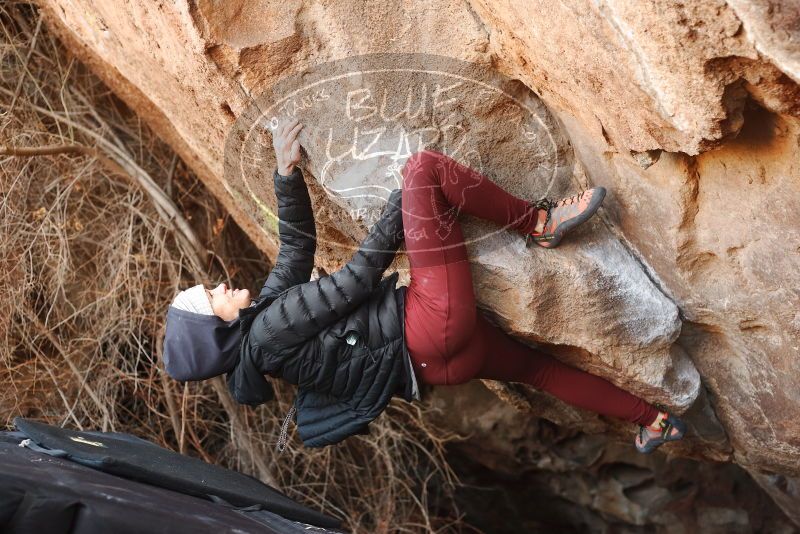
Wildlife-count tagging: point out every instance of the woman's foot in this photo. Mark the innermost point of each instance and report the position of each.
(557, 217)
(665, 428)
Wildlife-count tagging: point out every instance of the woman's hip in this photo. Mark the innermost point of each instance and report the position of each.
(442, 340)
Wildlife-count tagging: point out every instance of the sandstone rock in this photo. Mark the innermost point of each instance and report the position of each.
(653, 75)
(774, 30)
(692, 265)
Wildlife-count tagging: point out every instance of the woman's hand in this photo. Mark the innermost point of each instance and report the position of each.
(287, 146)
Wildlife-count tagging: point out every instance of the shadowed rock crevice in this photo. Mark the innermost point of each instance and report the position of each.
(540, 477)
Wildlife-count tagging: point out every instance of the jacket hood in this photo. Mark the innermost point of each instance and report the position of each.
(198, 347)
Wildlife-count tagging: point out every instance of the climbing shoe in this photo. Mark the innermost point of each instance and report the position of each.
(670, 428)
(564, 215)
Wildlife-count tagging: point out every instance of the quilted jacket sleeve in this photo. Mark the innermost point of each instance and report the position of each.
(302, 311)
(297, 234)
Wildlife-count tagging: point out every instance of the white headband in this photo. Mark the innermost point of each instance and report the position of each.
(194, 300)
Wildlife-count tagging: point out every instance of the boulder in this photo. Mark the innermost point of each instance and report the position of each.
(687, 112)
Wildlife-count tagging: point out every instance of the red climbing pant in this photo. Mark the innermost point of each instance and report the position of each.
(449, 340)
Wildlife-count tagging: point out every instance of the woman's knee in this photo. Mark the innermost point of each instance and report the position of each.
(419, 169)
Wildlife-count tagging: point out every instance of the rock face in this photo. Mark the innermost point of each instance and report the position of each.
(686, 111)
(570, 481)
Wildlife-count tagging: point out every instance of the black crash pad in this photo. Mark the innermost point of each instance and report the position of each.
(139, 460)
(42, 494)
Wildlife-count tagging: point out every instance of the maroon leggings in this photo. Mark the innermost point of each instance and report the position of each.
(449, 340)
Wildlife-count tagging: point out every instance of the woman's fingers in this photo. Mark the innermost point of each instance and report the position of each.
(293, 144)
(291, 137)
(286, 126)
(293, 134)
(286, 144)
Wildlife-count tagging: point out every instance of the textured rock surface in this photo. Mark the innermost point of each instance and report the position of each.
(657, 75)
(528, 475)
(686, 112)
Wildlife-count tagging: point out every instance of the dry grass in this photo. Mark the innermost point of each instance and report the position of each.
(100, 224)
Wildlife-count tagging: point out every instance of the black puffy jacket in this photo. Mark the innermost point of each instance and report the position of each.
(339, 338)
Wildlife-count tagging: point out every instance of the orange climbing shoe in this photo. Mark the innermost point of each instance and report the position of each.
(670, 428)
(564, 215)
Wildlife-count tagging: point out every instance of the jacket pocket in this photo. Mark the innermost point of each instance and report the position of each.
(350, 371)
(354, 329)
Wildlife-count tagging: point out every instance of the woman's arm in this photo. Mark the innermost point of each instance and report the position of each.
(302, 311)
(297, 234)
(295, 216)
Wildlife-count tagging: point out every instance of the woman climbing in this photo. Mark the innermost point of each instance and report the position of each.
(351, 341)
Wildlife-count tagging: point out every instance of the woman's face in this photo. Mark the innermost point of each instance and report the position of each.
(226, 303)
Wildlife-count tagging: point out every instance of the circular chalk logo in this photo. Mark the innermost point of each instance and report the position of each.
(366, 117)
